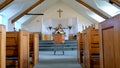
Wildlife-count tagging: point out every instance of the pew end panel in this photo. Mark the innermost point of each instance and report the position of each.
(23, 49)
(110, 43)
(2, 46)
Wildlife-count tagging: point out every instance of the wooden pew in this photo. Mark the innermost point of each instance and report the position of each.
(110, 43)
(91, 48)
(2, 47)
(80, 47)
(17, 49)
(34, 46)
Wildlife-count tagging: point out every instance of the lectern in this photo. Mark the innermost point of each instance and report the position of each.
(58, 38)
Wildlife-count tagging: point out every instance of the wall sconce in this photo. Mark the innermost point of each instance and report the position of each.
(70, 27)
(50, 27)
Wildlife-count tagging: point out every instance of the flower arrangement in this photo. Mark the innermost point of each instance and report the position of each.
(58, 31)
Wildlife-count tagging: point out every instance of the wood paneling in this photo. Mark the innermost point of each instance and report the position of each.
(71, 37)
(46, 37)
(2, 47)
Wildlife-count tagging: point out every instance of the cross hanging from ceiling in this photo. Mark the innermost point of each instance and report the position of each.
(59, 11)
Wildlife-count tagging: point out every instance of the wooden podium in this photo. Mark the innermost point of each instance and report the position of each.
(58, 38)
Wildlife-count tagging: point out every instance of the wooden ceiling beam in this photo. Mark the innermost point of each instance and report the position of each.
(34, 14)
(92, 9)
(115, 2)
(26, 11)
(5, 3)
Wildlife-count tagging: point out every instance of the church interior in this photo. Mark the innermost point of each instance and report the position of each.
(59, 33)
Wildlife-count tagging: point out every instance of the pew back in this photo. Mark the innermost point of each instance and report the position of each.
(2, 46)
(17, 45)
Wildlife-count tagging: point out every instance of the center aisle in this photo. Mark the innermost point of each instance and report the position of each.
(47, 59)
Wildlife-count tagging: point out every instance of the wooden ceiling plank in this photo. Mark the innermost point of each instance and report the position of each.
(26, 11)
(116, 2)
(92, 9)
(5, 3)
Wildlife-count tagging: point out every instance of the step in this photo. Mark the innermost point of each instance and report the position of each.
(49, 45)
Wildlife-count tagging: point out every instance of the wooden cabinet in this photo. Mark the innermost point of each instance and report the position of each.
(59, 38)
(110, 43)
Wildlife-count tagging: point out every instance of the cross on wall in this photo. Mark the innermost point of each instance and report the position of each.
(59, 11)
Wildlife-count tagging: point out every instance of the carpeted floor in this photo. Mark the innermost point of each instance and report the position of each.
(47, 59)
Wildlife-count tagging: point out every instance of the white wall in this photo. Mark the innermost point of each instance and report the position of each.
(68, 12)
(33, 26)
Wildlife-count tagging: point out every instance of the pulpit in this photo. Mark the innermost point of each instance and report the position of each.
(58, 38)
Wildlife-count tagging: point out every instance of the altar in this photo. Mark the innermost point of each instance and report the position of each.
(69, 26)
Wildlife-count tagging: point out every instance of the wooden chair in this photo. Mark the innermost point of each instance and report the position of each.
(110, 43)
(17, 49)
(2, 47)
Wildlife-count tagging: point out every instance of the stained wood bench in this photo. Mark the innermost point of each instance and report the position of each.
(17, 49)
(2, 46)
(34, 47)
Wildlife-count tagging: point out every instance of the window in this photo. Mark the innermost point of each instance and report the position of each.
(0, 19)
(17, 26)
(107, 7)
(95, 16)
